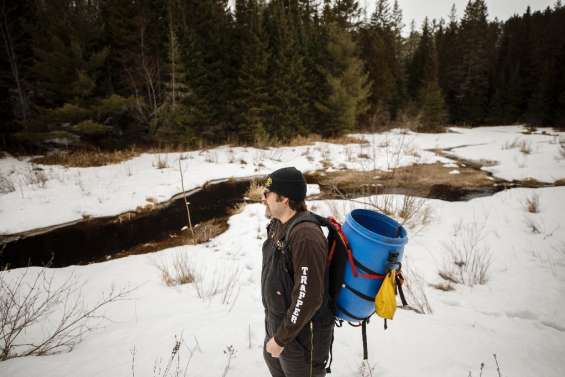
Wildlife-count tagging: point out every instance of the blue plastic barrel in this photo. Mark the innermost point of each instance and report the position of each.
(377, 243)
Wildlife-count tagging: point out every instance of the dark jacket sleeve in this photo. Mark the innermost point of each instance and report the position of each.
(308, 247)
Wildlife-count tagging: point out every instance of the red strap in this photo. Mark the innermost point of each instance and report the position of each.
(337, 226)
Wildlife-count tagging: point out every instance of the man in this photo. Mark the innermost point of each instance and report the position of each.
(298, 320)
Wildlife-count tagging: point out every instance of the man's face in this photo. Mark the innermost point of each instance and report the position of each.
(275, 205)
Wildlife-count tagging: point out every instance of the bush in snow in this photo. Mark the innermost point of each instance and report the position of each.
(40, 317)
(161, 162)
(255, 192)
(177, 271)
(414, 290)
(562, 150)
(6, 186)
(175, 366)
(468, 258)
(532, 203)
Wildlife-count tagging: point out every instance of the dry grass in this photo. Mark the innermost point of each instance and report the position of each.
(205, 231)
(532, 203)
(418, 179)
(414, 289)
(176, 271)
(523, 145)
(161, 162)
(533, 225)
(255, 191)
(6, 186)
(86, 158)
(445, 286)
(238, 208)
(36, 177)
(468, 257)
(411, 206)
(302, 140)
(526, 147)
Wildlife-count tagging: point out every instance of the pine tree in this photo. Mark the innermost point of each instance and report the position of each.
(209, 49)
(68, 58)
(252, 98)
(15, 42)
(450, 68)
(349, 84)
(346, 13)
(423, 83)
(473, 95)
(286, 75)
(172, 122)
(381, 48)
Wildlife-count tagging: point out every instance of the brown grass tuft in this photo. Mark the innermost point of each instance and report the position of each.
(176, 271)
(161, 162)
(532, 203)
(255, 192)
(86, 158)
(205, 231)
(238, 208)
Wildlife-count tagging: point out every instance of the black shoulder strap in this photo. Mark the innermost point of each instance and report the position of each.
(306, 217)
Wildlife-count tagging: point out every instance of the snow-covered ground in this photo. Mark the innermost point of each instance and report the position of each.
(516, 315)
(56, 195)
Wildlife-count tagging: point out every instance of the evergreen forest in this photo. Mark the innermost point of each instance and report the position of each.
(117, 73)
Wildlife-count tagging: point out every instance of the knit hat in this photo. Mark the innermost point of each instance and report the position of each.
(287, 182)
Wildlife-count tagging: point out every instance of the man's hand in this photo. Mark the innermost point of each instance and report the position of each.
(273, 348)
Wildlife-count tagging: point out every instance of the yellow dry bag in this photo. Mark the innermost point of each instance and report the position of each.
(385, 300)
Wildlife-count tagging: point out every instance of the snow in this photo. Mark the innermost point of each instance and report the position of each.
(69, 194)
(516, 315)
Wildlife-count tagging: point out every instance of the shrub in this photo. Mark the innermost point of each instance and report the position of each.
(532, 203)
(161, 162)
(176, 271)
(84, 158)
(415, 291)
(90, 128)
(468, 258)
(29, 299)
(68, 113)
(114, 104)
(255, 192)
(6, 186)
(525, 147)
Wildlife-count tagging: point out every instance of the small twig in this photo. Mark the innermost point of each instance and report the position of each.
(230, 354)
(185, 201)
(132, 351)
(497, 366)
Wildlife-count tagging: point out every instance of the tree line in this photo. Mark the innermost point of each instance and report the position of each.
(113, 73)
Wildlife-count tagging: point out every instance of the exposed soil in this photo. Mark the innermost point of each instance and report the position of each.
(157, 226)
(429, 181)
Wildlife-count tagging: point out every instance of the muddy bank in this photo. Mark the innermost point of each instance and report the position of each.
(95, 239)
(156, 227)
(434, 181)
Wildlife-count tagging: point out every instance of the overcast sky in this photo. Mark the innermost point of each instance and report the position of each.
(418, 9)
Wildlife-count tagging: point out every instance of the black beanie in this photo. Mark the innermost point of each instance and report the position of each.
(287, 182)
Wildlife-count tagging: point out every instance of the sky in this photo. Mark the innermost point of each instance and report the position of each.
(418, 9)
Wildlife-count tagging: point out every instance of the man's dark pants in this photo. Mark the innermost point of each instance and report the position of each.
(297, 359)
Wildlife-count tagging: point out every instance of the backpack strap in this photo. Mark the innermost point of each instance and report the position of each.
(306, 217)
